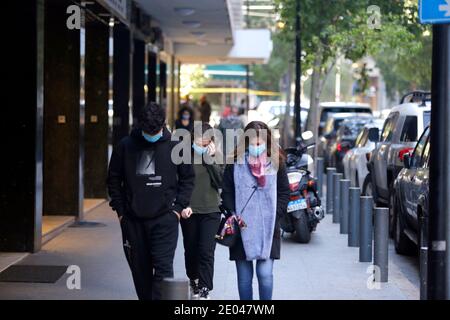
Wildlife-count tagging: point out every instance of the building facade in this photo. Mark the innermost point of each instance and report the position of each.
(77, 74)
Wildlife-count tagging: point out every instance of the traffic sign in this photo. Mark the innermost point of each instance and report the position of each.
(434, 11)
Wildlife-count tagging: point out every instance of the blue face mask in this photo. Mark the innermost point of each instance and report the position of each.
(256, 151)
(199, 150)
(151, 138)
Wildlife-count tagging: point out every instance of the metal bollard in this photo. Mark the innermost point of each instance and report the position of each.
(353, 218)
(423, 258)
(365, 229)
(175, 289)
(330, 189)
(345, 206)
(319, 175)
(337, 197)
(381, 243)
(423, 273)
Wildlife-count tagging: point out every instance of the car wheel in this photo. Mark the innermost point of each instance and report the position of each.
(368, 187)
(403, 245)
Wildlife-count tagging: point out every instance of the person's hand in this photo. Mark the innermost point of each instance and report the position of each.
(186, 213)
(211, 148)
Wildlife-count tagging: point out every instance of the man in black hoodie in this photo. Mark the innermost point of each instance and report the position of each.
(148, 192)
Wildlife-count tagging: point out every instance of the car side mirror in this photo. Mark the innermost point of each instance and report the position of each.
(374, 135)
(407, 160)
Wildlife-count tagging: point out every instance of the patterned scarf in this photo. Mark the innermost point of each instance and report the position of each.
(258, 168)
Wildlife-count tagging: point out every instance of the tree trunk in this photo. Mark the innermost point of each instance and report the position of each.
(312, 120)
(286, 130)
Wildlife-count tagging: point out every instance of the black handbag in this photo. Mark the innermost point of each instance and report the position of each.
(230, 239)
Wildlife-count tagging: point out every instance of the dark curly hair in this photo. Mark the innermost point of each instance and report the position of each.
(151, 118)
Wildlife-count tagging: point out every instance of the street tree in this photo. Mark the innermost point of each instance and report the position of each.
(347, 28)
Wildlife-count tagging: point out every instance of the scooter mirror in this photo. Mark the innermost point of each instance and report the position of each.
(307, 135)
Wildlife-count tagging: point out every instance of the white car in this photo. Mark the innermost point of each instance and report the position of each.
(271, 112)
(355, 161)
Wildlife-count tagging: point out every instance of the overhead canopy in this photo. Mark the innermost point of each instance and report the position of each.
(250, 46)
(208, 31)
(192, 21)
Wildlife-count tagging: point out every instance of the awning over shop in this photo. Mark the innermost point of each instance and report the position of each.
(208, 31)
(226, 72)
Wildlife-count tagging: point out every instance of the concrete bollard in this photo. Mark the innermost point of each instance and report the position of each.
(345, 206)
(365, 229)
(319, 175)
(330, 189)
(337, 197)
(175, 289)
(353, 219)
(381, 244)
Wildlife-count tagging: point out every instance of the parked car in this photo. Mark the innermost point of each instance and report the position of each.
(399, 136)
(411, 199)
(355, 161)
(327, 140)
(327, 109)
(345, 140)
(272, 112)
(329, 133)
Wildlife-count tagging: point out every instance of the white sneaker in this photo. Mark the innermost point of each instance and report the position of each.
(194, 289)
(204, 294)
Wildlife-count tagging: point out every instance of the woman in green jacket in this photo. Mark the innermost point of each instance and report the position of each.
(201, 220)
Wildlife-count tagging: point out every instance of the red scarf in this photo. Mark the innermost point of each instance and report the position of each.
(258, 168)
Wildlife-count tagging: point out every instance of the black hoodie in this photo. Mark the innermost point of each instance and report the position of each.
(143, 181)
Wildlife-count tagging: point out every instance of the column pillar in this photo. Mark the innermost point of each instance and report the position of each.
(21, 125)
(63, 144)
(138, 77)
(96, 119)
(121, 82)
(151, 77)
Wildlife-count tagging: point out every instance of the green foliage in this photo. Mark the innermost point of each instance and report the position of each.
(267, 77)
(342, 27)
(408, 71)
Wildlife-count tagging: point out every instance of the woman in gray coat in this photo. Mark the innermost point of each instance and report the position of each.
(259, 174)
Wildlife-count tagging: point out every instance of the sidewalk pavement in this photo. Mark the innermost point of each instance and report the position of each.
(323, 269)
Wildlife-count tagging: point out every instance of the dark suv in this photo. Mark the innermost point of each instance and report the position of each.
(399, 136)
(411, 198)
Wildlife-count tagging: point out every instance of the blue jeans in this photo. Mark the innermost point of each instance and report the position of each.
(264, 272)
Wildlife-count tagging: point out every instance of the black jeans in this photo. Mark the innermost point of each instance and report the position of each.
(150, 248)
(199, 245)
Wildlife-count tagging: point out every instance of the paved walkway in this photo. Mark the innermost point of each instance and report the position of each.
(323, 269)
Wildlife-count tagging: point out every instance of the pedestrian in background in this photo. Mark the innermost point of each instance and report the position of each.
(205, 110)
(257, 182)
(243, 116)
(149, 192)
(185, 118)
(201, 221)
(230, 122)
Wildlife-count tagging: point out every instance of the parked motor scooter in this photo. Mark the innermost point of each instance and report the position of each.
(304, 209)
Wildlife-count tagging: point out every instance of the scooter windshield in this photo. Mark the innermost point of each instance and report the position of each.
(305, 160)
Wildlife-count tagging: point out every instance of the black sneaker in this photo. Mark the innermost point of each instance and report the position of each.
(204, 294)
(194, 289)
